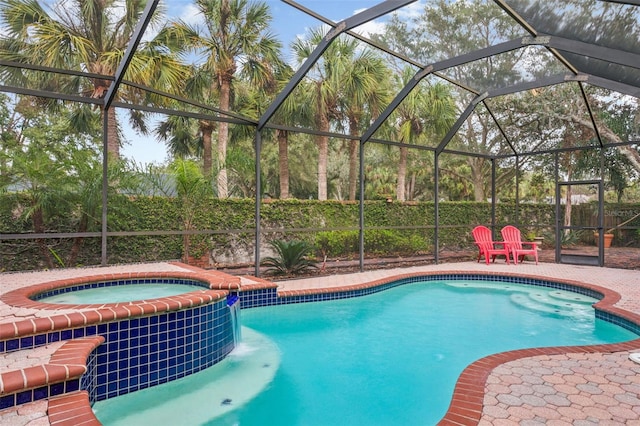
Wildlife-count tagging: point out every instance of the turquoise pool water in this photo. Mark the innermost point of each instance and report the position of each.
(391, 358)
(120, 293)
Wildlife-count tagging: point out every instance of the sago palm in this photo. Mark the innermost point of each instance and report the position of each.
(290, 258)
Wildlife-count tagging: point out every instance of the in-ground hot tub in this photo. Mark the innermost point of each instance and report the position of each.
(157, 328)
(119, 291)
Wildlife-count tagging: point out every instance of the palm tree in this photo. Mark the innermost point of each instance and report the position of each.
(425, 112)
(46, 187)
(251, 101)
(235, 33)
(187, 137)
(292, 111)
(91, 36)
(325, 90)
(181, 135)
(191, 186)
(366, 90)
(349, 79)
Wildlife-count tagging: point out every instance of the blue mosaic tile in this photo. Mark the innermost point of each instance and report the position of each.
(7, 401)
(40, 393)
(143, 355)
(12, 345)
(26, 342)
(72, 385)
(56, 389)
(24, 397)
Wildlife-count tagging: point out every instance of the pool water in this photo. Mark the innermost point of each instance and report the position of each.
(391, 358)
(120, 293)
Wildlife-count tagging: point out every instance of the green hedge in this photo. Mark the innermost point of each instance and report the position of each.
(390, 228)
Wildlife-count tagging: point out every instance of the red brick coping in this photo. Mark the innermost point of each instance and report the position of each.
(72, 409)
(68, 362)
(219, 285)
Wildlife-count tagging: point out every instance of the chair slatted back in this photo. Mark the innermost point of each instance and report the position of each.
(512, 235)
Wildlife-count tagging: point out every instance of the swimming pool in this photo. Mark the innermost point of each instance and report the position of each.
(391, 357)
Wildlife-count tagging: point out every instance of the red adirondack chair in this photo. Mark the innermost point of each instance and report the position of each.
(518, 248)
(486, 246)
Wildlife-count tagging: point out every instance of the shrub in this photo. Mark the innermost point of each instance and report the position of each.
(291, 258)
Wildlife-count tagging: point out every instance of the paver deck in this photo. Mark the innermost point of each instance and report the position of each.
(571, 387)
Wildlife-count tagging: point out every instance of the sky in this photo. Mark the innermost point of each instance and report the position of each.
(287, 24)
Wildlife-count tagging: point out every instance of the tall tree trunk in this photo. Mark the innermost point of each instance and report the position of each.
(567, 210)
(113, 139)
(353, 168)
(412, 187)
(283, 162)
(567, 206)
(38, 227)
(223, 138)
(477, 178)
(78, 241)
(207, 160)
(323, 156)
(402, 173)
(353, 159)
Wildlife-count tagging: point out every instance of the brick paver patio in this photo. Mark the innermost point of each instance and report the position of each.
(576, 386)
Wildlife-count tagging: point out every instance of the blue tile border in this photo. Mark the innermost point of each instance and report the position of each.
(269, 297)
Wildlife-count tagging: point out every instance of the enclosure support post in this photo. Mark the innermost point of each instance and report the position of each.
(493, 196)
(436, 205)
(361, 208)
(518, 191)
(258, 149)
(105, 185)
(557, 201)
(601, 211)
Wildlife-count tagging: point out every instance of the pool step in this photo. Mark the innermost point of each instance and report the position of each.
(541, 299)
(571, 296)
(527, 302)
(545, 298)
(486, 285)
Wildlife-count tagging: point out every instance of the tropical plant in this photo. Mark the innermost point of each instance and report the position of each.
(366, 90)
(465, 26)
(182, 136)
(235, 33)
(252, 100)
(90, 36)
(58, 172)
(191, 186)
(291, 258)
(427, 112)
(324, 89)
